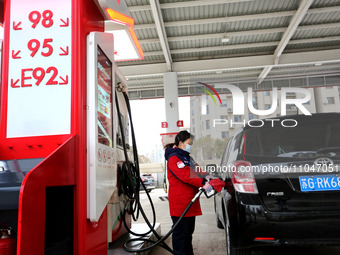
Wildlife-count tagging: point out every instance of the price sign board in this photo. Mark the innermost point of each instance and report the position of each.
(39, 78)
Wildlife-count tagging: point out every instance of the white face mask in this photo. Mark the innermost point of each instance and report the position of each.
(188, 148)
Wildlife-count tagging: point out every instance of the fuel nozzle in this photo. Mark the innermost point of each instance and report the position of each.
(210, 192)
(216, 186)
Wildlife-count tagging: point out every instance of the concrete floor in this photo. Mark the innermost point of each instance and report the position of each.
(208, 239)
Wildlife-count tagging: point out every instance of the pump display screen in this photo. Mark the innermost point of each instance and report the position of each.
(104, 83)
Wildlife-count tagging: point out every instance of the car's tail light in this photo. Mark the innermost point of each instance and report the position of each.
(264, 239)
(242, 176)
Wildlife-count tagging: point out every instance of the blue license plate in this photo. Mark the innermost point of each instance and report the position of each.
(320, 182)
(150, 180)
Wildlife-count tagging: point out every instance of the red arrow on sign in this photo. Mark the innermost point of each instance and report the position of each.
(65, 23)
(14, 84)
(65, 52)
(16, 26)
(15, 55)
(65, 81)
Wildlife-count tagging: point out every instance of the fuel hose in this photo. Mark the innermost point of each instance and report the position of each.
(132, 183)
(161, 240)
(131, 189)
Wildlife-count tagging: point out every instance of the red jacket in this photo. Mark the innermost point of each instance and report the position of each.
(183, 186)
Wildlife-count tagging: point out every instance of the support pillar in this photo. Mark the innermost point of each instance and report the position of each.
(171, 101)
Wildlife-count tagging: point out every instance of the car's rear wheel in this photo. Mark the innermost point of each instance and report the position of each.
(229, 243)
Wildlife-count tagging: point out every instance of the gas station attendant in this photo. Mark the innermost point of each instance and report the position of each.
(184, 183)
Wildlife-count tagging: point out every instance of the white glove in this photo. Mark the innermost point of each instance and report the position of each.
(207, 187)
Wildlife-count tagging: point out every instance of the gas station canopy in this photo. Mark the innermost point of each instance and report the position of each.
(258, 43)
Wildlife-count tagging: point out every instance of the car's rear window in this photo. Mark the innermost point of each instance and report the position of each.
(308, 138)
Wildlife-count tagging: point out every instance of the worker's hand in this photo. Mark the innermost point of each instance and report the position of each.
(207, 187)
(217, 184)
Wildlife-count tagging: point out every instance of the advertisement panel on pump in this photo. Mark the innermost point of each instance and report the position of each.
(101, 160)
(104, 79)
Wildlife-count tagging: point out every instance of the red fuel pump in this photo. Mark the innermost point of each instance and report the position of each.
(45, 170)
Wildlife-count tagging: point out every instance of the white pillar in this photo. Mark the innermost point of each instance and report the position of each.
(171, 101)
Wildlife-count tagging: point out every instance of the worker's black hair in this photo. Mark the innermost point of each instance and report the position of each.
(169, 145)
(182, 136)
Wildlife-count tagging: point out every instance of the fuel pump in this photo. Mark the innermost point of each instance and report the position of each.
(132, 183)
(109, 121)
(49, 71)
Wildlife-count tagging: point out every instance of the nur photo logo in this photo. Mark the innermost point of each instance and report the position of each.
(209, 93)
(238, 105)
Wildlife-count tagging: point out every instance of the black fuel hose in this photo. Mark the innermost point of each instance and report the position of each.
(132, 188)
(133, 194)
(161, 240)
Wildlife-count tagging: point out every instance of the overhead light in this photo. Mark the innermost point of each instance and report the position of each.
(120, 18)
(225, 39)
(318, 64)
(118, 21)
(124, 48)
(219, 72)
(126, 44)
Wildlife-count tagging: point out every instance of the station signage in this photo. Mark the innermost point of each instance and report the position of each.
(180, 123)
(39, 74)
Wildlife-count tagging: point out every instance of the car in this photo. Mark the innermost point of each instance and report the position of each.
(282, 184)
(148, 181)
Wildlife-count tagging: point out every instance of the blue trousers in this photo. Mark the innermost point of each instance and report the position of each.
(182, 236)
